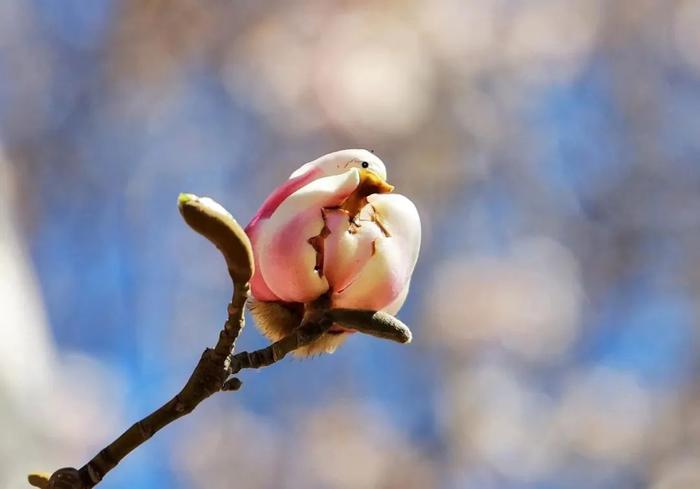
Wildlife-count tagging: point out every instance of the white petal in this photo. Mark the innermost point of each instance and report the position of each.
(386, 275)
(395, 306)
(302, 170)
(347, 248)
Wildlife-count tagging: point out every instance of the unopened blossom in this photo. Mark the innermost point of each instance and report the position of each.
(335, 231)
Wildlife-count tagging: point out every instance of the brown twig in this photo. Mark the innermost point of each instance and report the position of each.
(214, 369)
(207, 378)
(218, 226)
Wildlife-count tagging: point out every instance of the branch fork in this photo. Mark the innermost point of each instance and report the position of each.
(218, 366)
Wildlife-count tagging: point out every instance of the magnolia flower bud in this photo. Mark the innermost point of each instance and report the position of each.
(332, 230)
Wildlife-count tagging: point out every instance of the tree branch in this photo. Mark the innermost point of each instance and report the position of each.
(207, 378)
(214, 369)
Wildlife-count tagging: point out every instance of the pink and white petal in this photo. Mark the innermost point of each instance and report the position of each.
(258, 288)
(388, 271)
(273, 201)
(285, 258)
(347, 248)
(378, 284)
(305, 169)
(400, 219)
(396, 304)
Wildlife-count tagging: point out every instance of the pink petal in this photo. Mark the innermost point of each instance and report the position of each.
(396, 304)
(273, 201)
(258, 287)
(286, 260)
(386, 274)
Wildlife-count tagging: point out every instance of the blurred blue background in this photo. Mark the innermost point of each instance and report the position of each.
(551, 148)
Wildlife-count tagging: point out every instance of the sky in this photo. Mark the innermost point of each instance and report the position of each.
(551, 148)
